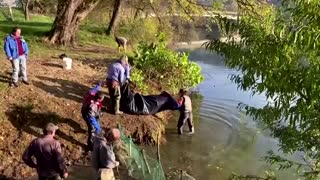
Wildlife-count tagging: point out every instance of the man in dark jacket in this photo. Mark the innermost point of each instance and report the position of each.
(103, 157)
(47, 151)
(91, 112)
(16, 49)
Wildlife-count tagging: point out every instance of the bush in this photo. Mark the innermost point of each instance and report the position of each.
(167, 68)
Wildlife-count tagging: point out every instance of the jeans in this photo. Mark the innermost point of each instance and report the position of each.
(91, 132)
(19, 65)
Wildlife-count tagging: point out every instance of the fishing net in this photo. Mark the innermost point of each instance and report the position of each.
(139, 165)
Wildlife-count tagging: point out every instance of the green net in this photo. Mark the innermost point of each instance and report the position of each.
(140, 166)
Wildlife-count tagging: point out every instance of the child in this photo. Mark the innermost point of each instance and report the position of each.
(91, 112)
(185, 108)
(67, 62)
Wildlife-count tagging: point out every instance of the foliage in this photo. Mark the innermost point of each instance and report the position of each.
(139, 30)
(169, 69)
(278, 55)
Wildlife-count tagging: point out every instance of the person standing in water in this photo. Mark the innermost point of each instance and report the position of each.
(185, 108)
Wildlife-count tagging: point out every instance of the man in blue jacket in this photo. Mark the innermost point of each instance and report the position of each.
(117, 75)
(16, 49)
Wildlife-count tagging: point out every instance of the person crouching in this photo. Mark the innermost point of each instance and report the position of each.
(103, 157)
(91, 112)
(185, 112)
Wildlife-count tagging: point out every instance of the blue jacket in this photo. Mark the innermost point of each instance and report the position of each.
(117, 73)
(11, 47)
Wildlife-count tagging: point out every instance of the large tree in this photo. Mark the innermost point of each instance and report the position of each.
(115, 16)
(279, 55)
(70, 13)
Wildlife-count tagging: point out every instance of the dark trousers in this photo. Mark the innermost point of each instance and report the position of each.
(185, 116)
(91, 130)
(48, 178)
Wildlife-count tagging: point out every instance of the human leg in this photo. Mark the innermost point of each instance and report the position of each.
(15, 70)
(181, 122)
(23, 68)
(190, 123)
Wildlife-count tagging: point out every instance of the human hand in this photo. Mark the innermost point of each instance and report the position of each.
(10, 58)
(117, 163)
(65, 175)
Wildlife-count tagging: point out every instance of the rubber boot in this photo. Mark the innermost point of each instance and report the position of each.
(117, 107)
(191, 131)
(180, 130)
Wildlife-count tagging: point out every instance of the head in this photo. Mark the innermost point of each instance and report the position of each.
(183, 92)
(50, 129)
(98, 97)
(124, 60)
(16, 31)
(63, 56)
(112, 135)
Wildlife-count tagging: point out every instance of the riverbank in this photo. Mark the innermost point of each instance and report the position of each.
(55, 95)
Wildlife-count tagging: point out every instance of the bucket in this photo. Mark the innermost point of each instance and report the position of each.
(67, 63)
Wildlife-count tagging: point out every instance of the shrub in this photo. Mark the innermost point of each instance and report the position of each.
(167, 68)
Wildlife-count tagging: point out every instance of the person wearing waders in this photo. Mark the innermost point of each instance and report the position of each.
(185, 108)
(91, 112)
(103, 157)
(117, 77)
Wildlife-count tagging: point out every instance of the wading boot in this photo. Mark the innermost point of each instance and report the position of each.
(117, 108)
(191, 131)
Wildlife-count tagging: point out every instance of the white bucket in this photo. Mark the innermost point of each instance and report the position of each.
(67, 63)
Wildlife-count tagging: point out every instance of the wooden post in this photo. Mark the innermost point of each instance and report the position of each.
(158, 146)
(130, 146)
(145, 160)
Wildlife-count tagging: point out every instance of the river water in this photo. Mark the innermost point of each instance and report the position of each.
(226, 140)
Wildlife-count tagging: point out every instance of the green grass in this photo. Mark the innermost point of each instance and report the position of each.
(35, 30)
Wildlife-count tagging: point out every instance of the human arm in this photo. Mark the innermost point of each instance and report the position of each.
(27, 156)
(127, 71)
(95, 89)
(107, 157)
(180, 101)
(62, 168)
(7, 48)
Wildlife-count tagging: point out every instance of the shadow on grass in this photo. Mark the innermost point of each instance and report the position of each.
(54, 65)
(23, 119)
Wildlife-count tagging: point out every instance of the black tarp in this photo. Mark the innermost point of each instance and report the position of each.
(135, 103)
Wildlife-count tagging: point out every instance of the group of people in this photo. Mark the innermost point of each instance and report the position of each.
(50, 163)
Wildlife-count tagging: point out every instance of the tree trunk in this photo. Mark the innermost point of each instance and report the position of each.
(25, 4)
(115, 17)
(11, 14)
(69, 15)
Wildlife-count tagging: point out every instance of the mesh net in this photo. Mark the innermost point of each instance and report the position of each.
(139, 164)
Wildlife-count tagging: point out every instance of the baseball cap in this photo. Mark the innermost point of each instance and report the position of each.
(51, 127)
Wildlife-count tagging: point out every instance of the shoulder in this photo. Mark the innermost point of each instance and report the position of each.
(8, 37)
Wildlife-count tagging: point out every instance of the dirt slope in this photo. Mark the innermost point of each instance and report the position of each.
(55, 95)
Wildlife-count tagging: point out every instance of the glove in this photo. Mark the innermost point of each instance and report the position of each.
(117, 163)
